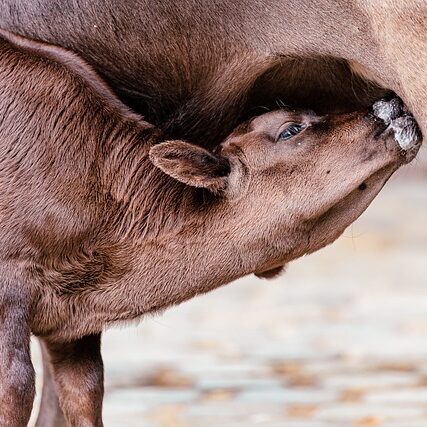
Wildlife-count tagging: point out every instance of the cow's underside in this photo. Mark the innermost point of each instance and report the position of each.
(197, 70)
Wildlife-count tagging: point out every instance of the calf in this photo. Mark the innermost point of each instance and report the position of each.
(102, 218)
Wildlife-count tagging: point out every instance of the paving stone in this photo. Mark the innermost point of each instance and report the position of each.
(234, 408)
(279, 423)
(236, 369)
(370, 380)
(421, 422)
(237, 383)
(287, 396)
(348, 412)
(141, 397)
(415, 396)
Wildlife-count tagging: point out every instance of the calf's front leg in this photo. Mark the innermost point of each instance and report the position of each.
(16, 370)
(78, 373)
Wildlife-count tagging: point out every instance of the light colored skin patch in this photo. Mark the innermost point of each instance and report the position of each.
(406, 131)
(387, 110)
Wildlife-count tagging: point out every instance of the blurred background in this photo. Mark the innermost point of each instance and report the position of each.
(339, 340)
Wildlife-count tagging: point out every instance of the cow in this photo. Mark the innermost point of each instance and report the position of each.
(192, 65)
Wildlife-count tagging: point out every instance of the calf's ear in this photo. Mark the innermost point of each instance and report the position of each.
(191, 165)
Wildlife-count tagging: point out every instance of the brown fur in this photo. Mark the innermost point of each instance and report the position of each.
(102, 219)
(197, 68)
(204, 65)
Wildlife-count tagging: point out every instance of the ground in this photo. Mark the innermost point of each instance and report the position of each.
(339, 340)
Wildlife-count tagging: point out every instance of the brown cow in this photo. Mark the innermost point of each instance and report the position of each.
(102, 219)
(193, 65)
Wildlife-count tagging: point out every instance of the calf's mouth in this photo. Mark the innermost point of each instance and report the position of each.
(392, 126)
(398, 130)
(399, 122)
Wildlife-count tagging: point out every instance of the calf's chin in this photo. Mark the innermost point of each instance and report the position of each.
(350, 159)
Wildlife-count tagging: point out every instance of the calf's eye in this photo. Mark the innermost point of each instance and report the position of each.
(290, 131)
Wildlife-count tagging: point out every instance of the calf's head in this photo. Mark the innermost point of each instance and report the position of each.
(290, 182)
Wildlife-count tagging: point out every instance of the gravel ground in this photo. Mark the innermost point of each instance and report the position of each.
(339, 340)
